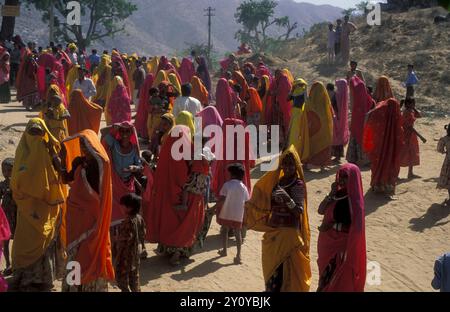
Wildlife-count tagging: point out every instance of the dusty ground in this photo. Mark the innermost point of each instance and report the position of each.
(404, 236)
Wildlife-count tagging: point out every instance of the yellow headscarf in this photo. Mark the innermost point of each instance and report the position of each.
(299, 86)
(73, 46)
(103, 70)
(38, 193)
(185, 118)
(173, 79)
(160, 77)
(152, 65)
(318, 103)
(289, 75)
(117, 80)
(286, 246)
(72, 76)
(175, 62)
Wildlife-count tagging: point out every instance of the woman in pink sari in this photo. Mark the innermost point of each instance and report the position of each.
(119, 104)
(342, 240)
(186, 71)
(340, 120)
(143, 109)
(119, 69)
(282, 107)
(224, 100)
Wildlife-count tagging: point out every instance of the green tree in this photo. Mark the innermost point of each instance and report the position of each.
(362, 7)
(348, 12)
(256, 17)
(99, 19)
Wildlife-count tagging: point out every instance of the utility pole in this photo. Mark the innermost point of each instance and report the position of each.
(52, 21)
(209, 13)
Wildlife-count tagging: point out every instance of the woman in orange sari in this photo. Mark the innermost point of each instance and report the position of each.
(199, 91)
(279, 209)
(383, 143)
(88, 242)
(175, 229)
(83, 114)
(383, 90)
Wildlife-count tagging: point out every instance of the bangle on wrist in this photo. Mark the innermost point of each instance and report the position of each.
(291, 205)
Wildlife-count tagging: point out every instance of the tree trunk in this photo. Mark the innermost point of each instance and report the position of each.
(8, 23)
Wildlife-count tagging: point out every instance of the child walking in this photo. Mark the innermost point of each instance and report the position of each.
(233, 196)
(9, 207)
(128, 254)
(410, 155)
(444, 178)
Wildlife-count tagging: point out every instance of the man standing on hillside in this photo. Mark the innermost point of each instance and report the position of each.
(337, 44)
(347, 28)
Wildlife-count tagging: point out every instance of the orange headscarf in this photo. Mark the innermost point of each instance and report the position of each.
(255, 103)
(83, 114)
(88, 230)
(240, 79)
(199, 91)
(383, 90)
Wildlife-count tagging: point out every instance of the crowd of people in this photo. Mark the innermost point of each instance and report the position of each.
(77, 192)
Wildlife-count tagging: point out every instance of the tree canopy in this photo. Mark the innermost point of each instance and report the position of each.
(99, 19)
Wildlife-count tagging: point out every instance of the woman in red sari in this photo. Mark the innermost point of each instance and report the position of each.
(383, 143)
(221, 174)
(175, 230)
(120, 69)
(224, 100)
(186, 71)
(342, 240)
(281, 106)
(143, 109)
(118, 108)
(26, 82)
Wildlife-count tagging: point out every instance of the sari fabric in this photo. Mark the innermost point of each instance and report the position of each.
(165, 65)
(83, 114)
(199, 91)
(185, 118)
(281, 246)
(152, 66)
(5, 234)
(26, 82)
(165, 225)
(186, 71)
(317, 137)
(362, 103)
(350, 272)
(283, 87)
(72, 76)
(203, 73)
(383, 142)
(265, 117)
(88, 229)
(173, 79)
(160, 77)
(116, 58)
(239, 79)
(341, 134)
(224, 100)
(39, 204)
(221, 174)
(383, 90)
(118, 108)
(143, 107)
(210, 117)
(102, 78)
(254, 105)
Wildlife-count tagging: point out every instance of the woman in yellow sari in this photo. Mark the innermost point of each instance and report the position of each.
(102, 79)
(38, 193)
(72, 76)
(185, 118)
(173, 79)
(55, 114)
(316, 128)
(152, 65)
(263, 90)
(160, 77)
(279, 208)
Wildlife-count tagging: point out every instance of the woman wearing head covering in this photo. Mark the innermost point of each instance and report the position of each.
(55, 114)
(5, 92)
(254, 108)
(298, 96)
(224, 100)
(118, 107)
(26, 82)
(342, 240)
(119, 69)
(36, 251)
(340, 120)
(279, 209)
(383, 143)
(83, 114)
(175, 82)
(174, 229)
(199, 91)
(210, 117)
(72, 76)
(165, 125)
(160, 77)
(164, 64)
(203, 73)
(383, 90)
(175, 62)
(263, 90)
(102, 78)
(122, 146)
(362, 103)
(317, 136)
(187, 70)
(88, 240)
(185, 118)
(281, 106)
(143, 107)
(152, 65)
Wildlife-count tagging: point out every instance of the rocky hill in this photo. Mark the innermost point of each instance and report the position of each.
(169, 26)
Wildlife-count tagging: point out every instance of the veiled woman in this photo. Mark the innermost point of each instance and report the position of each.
(279, 209)
(37, 248)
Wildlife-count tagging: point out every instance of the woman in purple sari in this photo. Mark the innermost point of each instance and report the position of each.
(203, 72)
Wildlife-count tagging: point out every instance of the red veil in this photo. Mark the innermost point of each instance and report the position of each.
(383, 142)
(221, 175)
(142, 112)
(116, 58)
(186, 71)
(166, 225)
(362, 102)
(348, 248)
(224, 99)
(283, 88)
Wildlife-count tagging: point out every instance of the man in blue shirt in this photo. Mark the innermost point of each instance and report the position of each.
(411, 81)
(94, 59)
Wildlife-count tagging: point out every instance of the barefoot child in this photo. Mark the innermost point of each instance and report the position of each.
(410, 154)
(128, 257)
(231, 203)
(9, 207)
(444, 178)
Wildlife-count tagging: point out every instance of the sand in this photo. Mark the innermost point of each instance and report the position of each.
(404, 236)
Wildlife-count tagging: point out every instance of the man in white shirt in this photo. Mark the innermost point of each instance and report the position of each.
(187, 103)
(86, 85)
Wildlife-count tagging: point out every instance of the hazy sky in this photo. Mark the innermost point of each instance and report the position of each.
(339, 3)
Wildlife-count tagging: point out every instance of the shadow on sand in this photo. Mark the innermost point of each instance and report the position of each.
(431, 218)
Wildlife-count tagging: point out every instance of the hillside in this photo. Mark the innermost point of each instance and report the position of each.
(166, 26)
(403, 38)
